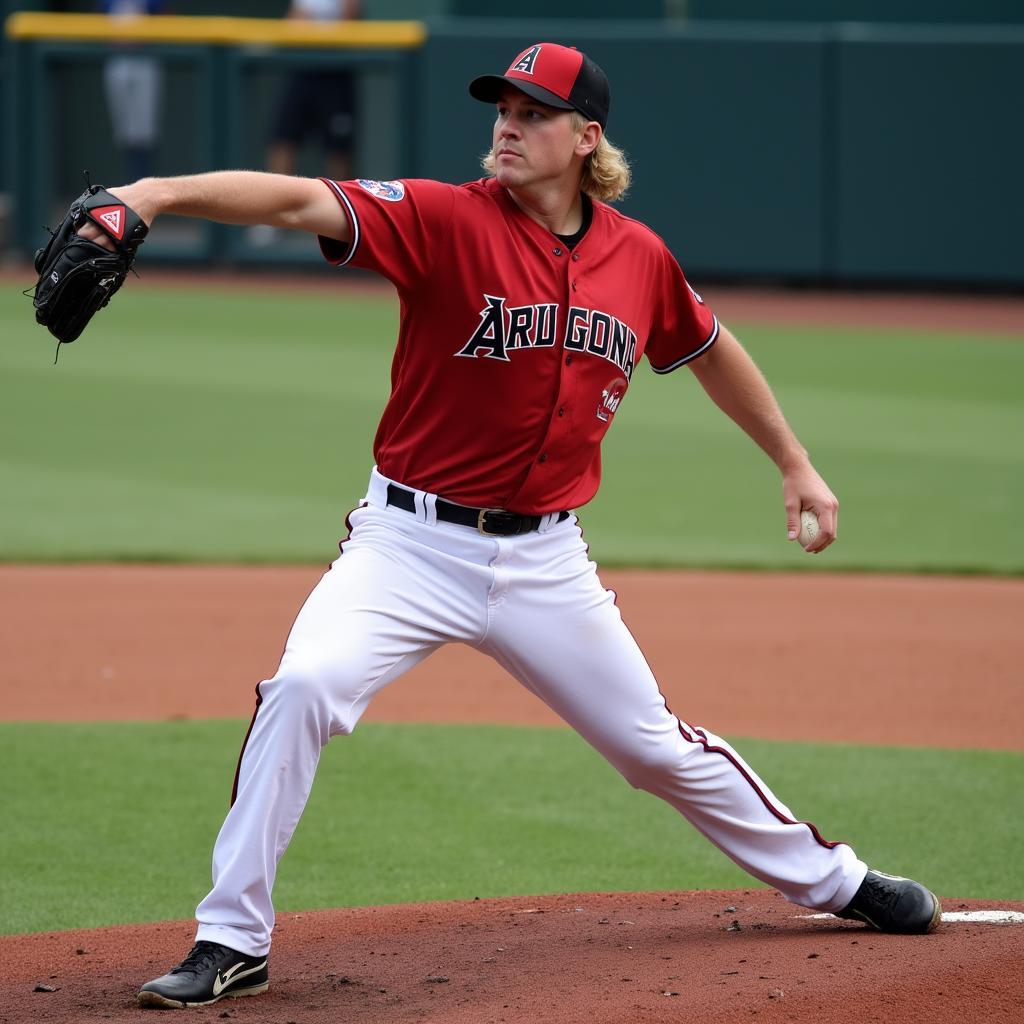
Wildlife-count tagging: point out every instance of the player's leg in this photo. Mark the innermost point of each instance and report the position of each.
(391, 598)
(563, 637)
(379, 610)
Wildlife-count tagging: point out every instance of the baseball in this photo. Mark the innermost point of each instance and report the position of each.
(808, 528)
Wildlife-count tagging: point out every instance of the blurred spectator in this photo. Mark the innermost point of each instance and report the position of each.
(133, 81)
(317, 104)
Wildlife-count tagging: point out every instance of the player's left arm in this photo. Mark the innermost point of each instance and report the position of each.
(735, 384)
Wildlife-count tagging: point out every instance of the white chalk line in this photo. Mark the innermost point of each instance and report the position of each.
(952, 917)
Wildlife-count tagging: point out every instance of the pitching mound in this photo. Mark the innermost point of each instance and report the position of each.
(591, 959)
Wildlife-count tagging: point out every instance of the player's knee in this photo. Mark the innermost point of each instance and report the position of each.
(647, 766)
(324, 689)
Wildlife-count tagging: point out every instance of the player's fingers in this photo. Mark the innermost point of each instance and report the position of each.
(792, 517)
(94, 234)
(828, 523)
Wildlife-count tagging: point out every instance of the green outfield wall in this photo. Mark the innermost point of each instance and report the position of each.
(902, 12)
(832, 152)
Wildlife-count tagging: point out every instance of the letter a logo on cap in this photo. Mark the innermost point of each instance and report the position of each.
(527, 60)
(112, 219)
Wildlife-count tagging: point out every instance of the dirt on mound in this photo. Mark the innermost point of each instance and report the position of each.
(577, 959)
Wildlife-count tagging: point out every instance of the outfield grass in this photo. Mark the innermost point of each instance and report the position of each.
(114, 823)
(189, 425)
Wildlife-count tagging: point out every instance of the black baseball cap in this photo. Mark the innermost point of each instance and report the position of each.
(558, 76)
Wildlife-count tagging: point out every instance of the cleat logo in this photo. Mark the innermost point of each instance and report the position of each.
(229, 977)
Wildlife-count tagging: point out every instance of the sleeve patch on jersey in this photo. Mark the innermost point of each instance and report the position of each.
(391, 191)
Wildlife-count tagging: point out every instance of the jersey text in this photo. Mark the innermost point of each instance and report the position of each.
(503, 329)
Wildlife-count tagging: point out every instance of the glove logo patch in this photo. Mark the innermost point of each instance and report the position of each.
(112, 218)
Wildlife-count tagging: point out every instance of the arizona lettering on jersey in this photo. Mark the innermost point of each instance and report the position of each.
(503, 329)
(514, 353)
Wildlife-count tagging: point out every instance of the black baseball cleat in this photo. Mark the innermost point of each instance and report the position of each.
(890, 903)
(209, 973)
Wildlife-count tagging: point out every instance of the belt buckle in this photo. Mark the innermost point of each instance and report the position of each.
(484, 512)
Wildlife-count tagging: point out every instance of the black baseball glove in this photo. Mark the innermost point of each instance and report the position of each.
(77, 277)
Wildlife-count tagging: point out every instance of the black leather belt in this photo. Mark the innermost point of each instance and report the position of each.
(496, 522)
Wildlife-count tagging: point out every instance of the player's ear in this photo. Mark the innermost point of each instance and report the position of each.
(590, 136)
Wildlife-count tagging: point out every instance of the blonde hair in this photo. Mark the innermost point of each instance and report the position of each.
(606, 174)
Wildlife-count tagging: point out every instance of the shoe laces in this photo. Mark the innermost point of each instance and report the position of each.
(200, 956)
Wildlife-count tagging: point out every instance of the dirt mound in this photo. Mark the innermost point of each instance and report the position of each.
(577, 959)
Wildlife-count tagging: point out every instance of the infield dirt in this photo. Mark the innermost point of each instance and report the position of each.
(942, 654)
(775, 656)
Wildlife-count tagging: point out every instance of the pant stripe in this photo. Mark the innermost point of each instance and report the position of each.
(690, 738)
(248, 733)
(785, 819)
(259, 696)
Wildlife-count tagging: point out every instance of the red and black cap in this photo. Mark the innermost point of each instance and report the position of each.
(558, 76)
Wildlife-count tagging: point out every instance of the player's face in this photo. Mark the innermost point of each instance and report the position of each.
(533, 143)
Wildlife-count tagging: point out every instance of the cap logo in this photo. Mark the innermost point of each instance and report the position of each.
(527, 60)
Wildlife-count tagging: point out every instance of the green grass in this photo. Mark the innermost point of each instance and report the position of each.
(192, 425)
(114, 823)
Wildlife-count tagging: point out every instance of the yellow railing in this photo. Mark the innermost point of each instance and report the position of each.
(162, 28)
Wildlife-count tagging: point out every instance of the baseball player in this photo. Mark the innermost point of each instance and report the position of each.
(527, 304)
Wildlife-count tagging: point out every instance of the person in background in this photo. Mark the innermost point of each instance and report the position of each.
(317, 104)
(133, 81)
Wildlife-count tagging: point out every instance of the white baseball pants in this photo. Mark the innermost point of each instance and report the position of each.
(404, 585)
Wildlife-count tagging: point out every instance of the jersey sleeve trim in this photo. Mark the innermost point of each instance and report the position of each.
(711, 339)
(353, 220)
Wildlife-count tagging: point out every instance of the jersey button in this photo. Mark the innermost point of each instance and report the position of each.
(561, 411)
(575, 256)
(543, 458)
(568, 360)
(557, 252)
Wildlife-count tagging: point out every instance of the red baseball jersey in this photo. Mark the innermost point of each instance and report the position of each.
(513, 353)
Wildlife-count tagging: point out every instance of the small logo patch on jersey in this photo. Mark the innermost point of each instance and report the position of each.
(391, 191)
(525, 61)
(610, 399)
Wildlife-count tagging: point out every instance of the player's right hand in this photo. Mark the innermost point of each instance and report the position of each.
(803, 488)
